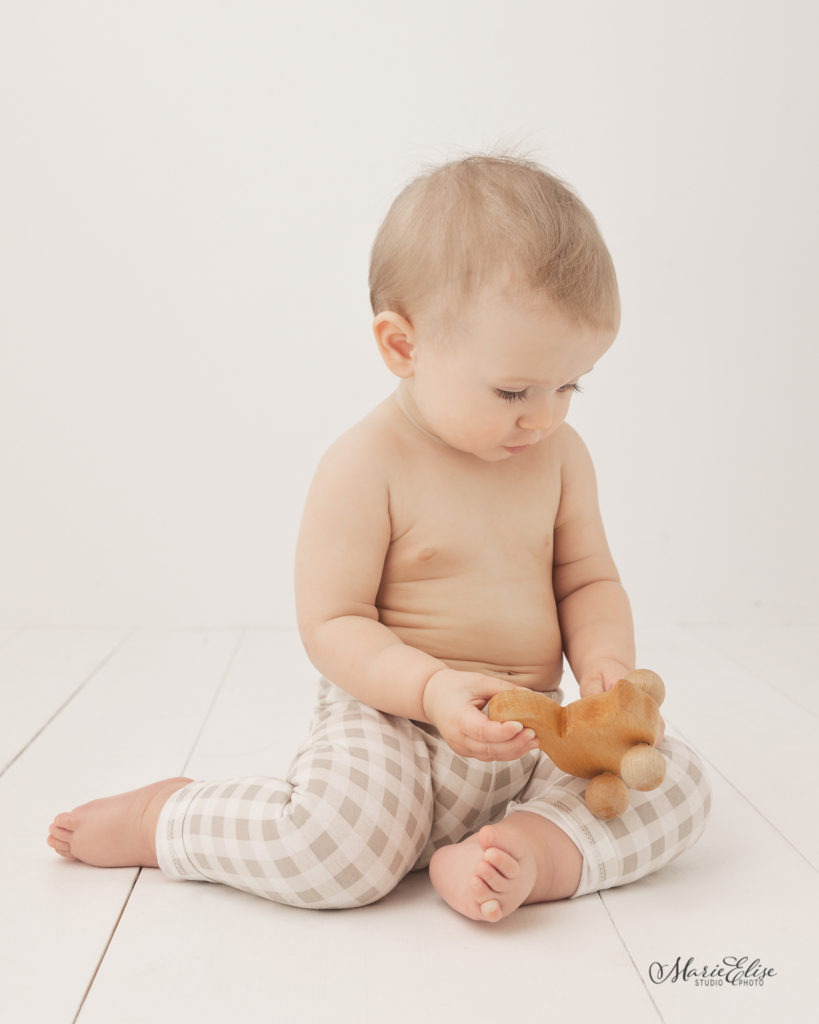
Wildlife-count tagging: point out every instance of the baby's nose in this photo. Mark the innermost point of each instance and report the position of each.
(538, 416)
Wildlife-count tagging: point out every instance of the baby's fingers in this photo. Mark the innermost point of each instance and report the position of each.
(495, 741)
(591, 685)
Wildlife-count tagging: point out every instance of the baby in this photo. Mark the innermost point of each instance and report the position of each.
(451, 548)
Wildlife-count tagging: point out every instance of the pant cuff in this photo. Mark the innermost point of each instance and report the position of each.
(572, 816)
(171, 854)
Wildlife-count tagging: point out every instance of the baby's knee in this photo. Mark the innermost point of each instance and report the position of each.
(351, 857)
(687, 785)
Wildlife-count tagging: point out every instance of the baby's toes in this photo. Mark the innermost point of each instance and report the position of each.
(503, 863)
(59, 836)
(60, 846)
(492, 911)
(490, 876)
(481, 891)
(487, 900)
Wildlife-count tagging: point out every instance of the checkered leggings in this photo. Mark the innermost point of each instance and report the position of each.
(370, 797)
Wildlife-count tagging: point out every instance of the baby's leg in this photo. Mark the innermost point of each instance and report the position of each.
(570, 852)
(483, 863)
(341, 831)
(522, 859)
(655, 828)
(117, 831)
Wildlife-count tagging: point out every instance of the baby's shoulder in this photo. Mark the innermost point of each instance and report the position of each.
(568, 448)
(368, 447)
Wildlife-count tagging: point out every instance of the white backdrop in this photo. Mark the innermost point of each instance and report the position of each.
(189, 192)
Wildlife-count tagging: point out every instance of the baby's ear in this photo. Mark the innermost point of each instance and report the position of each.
(396, 343)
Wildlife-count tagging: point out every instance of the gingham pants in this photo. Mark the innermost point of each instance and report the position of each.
(370, 797)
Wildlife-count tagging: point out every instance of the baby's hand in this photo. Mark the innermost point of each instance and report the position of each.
(601, 676)
(454, 701)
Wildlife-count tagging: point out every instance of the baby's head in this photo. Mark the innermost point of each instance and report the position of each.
(493, 293)
(470, 222)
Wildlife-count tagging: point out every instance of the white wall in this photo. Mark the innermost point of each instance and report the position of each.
(189, 193)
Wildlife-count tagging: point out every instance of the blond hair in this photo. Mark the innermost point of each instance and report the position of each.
(464, 223)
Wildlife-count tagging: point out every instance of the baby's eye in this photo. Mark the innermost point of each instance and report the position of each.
(570, 387)
(512, 396)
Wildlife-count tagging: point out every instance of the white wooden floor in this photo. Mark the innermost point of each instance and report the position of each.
(88, 713)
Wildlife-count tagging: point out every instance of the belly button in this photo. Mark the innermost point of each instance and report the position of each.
(426, 554)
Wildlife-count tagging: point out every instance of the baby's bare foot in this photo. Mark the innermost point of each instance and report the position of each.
(117, 831)
(488, 875)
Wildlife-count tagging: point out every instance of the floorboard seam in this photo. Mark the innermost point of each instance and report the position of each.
(631, 958)
(66, 702)
(747, 799)
(107, 946)
(222, 680)
(703, 644)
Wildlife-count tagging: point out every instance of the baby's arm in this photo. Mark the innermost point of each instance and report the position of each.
(592, 606)
(343, 541)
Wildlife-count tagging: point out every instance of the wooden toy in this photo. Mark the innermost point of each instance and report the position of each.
(607, 738)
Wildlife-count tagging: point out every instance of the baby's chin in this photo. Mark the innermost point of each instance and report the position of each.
(491, 455)
(491, 452)
(501, 453)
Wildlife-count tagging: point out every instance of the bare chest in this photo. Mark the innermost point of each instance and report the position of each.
(497, 526)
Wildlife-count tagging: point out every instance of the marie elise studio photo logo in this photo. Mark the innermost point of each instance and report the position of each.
(731, 972)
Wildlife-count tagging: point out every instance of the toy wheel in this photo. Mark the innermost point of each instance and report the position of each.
(606, 796)
(642, 767)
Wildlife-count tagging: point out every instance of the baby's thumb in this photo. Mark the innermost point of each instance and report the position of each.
(503, 685)
(494, 686)
(590, 685)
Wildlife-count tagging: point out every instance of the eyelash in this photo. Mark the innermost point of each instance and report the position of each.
(521, 396)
